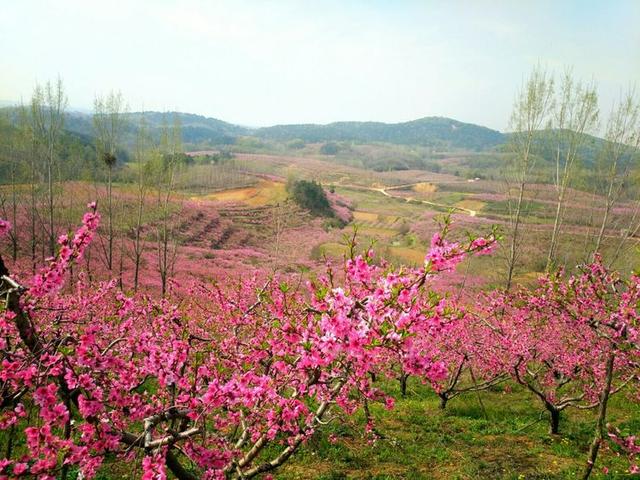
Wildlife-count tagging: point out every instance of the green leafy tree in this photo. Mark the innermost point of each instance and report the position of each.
(329, 148)
(311, 196)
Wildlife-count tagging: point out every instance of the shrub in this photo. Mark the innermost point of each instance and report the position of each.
(329, 148)
(311, 196)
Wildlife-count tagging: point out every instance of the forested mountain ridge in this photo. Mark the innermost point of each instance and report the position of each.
(437, 132)
(196, 129)
(429, 131)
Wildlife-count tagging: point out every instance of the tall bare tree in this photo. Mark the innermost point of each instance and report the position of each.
(530, 115)
(617, 158)
(11, 158)
(48, 105)
(141, 157)
(575, 115)
(171, 149)
(108, 122)
(631, 229)
(33, 174)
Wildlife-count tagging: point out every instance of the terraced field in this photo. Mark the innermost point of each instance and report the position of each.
(396, 212)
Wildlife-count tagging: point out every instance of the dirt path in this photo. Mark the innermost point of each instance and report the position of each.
(384, 191)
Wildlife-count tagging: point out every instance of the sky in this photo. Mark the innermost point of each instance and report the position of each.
(260, 63)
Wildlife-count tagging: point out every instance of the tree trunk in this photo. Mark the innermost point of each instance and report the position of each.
(110, 221)
(121, 269)
(52, 234)
(554, 420)
(514, 239)
(599, 435)
(603, 227)
(403, 384)
(33, 216)
(177, 469)
(14, 214)
(554, 234)
(137, 248)
(443, 401)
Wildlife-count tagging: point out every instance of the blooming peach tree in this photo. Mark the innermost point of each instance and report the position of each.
(226, 382)
(571, 342)
(630, 446)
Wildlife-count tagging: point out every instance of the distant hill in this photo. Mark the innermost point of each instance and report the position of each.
(437, 132)
(548, 143)
(196, 129)
(76, 150)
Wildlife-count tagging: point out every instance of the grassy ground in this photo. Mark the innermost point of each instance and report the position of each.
(497, 435)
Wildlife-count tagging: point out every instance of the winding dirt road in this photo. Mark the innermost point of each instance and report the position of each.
(385, 191)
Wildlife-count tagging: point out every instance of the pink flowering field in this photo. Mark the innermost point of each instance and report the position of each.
(373, 344)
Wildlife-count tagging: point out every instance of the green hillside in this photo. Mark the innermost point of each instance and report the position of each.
(434, 132)
(438, 132)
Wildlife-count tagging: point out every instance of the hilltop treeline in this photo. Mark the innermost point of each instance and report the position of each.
(435, 132)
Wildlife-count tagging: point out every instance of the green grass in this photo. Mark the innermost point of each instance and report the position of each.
(376, 202)
(448, 198)
(504, 438)
(533, 208)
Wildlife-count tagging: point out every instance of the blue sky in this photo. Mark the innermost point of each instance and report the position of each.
(267, 62)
